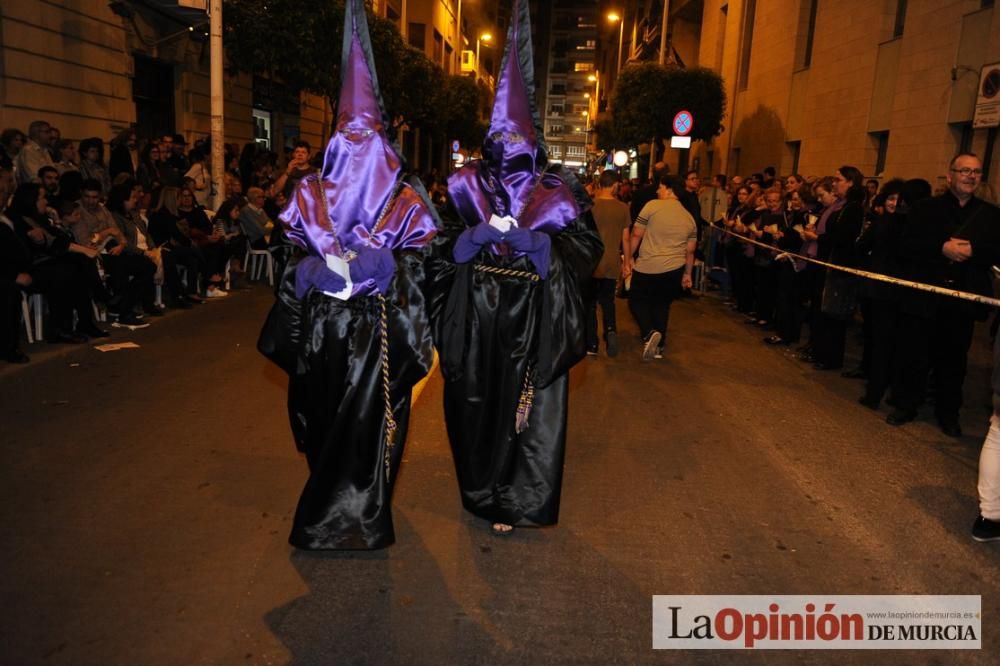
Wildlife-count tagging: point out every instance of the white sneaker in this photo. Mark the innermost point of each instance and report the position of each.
(215, 292)
(649, 348)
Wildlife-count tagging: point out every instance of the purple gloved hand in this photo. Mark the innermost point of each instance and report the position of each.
(312, 272)
(535, 244)
(472, 240)
(374, 265)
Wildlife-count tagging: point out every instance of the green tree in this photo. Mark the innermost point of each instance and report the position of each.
(299, 43)
(647, 96)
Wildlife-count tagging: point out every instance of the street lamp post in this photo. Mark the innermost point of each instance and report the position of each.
(485, 37)
(615, 17)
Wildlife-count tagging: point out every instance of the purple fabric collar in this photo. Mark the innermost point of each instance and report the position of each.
(408, 224)
(550, 203)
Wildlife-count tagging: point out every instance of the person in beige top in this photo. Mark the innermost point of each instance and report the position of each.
(665, 235)
(613, 220)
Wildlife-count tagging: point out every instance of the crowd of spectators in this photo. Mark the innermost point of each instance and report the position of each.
(757, 234)
(95, 227)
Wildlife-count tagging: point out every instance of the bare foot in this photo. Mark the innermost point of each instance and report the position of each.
(502, 529)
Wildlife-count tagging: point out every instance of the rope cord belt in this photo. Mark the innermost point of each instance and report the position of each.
(878, 277)
(507, 272)
(390, 420)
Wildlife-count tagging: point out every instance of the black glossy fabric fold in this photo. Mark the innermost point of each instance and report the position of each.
(331, 349)
(489, 330)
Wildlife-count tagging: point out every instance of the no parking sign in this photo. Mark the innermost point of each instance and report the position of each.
(683, 123)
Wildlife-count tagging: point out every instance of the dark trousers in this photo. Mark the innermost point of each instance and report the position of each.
(884, 317)
(66, 288)
(741, 270)
(190, 259)
(941, 344)
(815, 279)
(766, 286)
(649, 299)
(131, 279)
(603, 295)
(788, 311)
(829, 338)
(865, 304)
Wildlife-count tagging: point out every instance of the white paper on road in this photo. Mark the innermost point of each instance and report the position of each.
(115, 346)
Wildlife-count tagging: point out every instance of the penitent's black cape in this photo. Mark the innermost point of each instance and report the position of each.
(332, 349)
(508, 341)
(490, 329)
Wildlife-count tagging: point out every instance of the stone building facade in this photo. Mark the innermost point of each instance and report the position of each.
(886, 85)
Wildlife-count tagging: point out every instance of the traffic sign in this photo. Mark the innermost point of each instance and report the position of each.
(683, 123)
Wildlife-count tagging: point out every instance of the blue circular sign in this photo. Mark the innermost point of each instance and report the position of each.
(683, 123)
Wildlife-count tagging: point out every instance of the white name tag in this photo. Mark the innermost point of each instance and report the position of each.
(504, 224)
(343, 269)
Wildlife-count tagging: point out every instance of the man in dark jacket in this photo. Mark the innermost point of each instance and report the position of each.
(950, 241)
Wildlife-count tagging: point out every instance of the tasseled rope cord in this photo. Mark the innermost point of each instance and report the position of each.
(527, 397)
(390, 420)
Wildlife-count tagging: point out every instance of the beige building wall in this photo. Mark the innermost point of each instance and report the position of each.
(860, 81)
(70, 62)
(66, 63)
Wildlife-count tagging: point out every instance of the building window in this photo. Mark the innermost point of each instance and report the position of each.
(438, 56)
(807, 33)
(555, 130)
(555, 151)
(750, 10)
(556, 109)
(418, 36)
(583, 67)
(449, 58)
(881, 140)
(897, 30)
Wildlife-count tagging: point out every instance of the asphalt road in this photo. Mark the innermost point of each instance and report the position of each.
(146, 497)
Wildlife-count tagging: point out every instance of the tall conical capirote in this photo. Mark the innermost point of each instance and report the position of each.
(360, 161)
(514, 148)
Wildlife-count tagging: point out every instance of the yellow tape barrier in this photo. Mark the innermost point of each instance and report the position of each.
(879, 277)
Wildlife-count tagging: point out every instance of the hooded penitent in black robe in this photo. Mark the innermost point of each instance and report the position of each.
(353, 352)
(507, 340)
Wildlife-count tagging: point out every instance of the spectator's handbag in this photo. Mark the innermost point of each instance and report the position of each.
(840, 295)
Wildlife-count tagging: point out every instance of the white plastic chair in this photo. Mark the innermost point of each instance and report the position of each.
(37, 302)
(26, 317)
(255, 261)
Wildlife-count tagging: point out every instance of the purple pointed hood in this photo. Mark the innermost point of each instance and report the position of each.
(360, 160)
(514, 148)
(361, 168)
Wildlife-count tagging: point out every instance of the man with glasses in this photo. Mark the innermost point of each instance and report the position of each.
(950, 241)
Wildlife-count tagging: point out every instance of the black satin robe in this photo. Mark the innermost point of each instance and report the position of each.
(489, 329)
(331, 352)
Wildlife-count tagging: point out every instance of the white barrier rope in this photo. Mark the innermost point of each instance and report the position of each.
(878, 277)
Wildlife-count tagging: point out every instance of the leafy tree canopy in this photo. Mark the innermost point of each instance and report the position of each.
(648, 95)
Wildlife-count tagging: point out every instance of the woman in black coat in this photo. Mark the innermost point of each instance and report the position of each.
(837, 245)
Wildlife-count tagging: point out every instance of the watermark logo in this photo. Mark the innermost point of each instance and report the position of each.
(817, 622)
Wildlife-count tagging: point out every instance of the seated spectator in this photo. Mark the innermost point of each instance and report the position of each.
(35, 153)
(124, 154)
(48, 177)
(15, 276)
(62, 269)
(211, 246)
(171, 233)
(226, 224)
(201, 178)
(254, 220)
(70, 185)
(11, 142)
(123, 202)
(67, 156)
(130, 275)
(92, 164)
